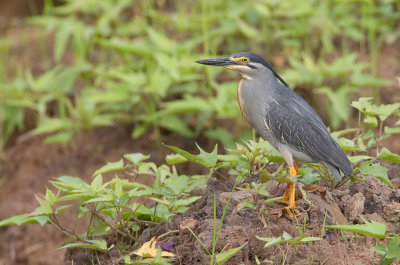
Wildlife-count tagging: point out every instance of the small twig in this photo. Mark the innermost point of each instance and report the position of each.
(70, 233)
(111, 225)
(167, 233)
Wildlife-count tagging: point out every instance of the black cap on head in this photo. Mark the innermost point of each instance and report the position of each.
(258, 59)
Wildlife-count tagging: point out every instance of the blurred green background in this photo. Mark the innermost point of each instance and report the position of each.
(68, 66)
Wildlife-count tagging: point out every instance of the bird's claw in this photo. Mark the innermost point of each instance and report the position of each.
(292, 212)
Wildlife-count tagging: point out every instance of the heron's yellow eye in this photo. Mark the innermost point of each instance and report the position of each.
(245, 60)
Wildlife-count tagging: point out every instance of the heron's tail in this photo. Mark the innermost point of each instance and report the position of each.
(347, 170)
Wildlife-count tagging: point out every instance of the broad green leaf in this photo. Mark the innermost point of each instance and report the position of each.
(59, 138)
(136, 158)
(128, 46)
(173, 159)
(392, 130)
(24, 219)
(223, 257)
(271, 241)
(355, 159)
(162, 41)
(101, 198)
(205, 159)
(362, 103)
(371, 120)
(386, 155)
(383, 111)
(14, 220)
(380, 248)
(394, 248)
(97, 182)
(111, 167)
(100, 245)
(246, 29)
(309, 176)
(177, 184)
(380, 172)
(139, 193)
(51, 125)
(175, 124)
(372, 228)
(286, 236)
(70, 184)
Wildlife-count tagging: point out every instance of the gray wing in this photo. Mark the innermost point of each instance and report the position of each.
(291, 120)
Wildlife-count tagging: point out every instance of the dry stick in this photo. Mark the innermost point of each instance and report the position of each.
(54, 221)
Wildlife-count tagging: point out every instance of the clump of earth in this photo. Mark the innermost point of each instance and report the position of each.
(370, 200)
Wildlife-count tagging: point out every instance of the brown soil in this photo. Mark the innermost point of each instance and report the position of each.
(370, 200)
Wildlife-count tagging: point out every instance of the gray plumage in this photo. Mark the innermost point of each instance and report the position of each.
(282, 117)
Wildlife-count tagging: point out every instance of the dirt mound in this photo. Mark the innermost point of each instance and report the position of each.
(370, 200)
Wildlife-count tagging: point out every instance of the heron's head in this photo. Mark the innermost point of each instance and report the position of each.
(248, 64)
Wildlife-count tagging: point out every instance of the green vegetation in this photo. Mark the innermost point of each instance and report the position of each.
(110, 209)
(111, 62)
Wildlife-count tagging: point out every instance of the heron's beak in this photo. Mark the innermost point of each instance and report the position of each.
(218, 62)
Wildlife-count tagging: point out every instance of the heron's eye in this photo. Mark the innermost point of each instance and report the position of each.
(245, 60)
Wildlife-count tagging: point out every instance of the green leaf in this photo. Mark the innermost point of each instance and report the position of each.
(355, 159)
(383, 111)
(394, 248)
(45, 207)
(309, 176)
(97, 182)
(23, 219)
(246, 203)
(205, 159)
(136, 158)
(271, 241)
(380, 248)
(380, 172)
(14, 220)
(51, 125)
(309, 239)
(100, 245)
(223, 257)
(371, 120)
(392, 130)
(386, 155)
(139, 193)
(111, 167)
(372, 228)
(173, 159)
(175, 124)
(127, 260)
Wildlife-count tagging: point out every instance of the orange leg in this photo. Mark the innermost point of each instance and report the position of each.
(290, 193)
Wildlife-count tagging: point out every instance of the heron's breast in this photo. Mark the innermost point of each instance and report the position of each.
(251, 105)
(240, 100)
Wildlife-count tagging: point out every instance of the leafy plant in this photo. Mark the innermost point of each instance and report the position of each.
(286, 238)
(391, 253)
(109, 205)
